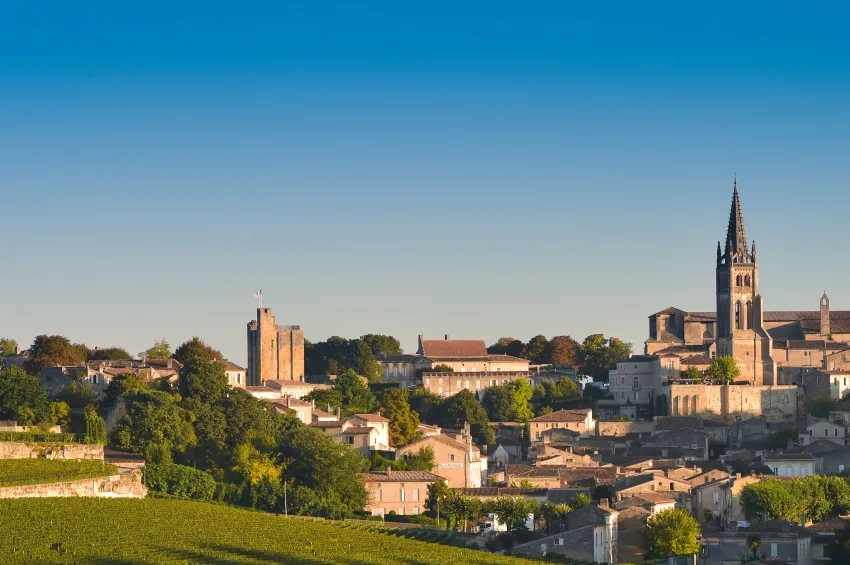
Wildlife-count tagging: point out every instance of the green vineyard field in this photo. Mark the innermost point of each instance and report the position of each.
(136, 531)
(16, 472)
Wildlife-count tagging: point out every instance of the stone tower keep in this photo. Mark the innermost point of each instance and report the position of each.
(740, 309)
(274, 352)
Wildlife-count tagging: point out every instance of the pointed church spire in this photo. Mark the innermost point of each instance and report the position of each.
(719, 256)
(736, 237)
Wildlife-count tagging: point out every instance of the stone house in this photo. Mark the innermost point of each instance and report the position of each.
(650, 482)
(376, 421)
(402, 492)
(830, 458)
(449, 384)
(652, 502)
(403, 370)
(497, 457)
(587, 534)
(635, 380)
(779, 541)
(236, 375)
(789, 464)
(458, 462)
(824, 537)
(710, 497)
(469, 356)
(303, 410)
(579, 420)
(823, 429)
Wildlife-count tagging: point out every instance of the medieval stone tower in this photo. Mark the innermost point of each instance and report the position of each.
(740, 330)
(274, 352)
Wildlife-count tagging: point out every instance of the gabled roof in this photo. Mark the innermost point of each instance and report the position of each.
(453, 348)
(398, 477)
(358, 430)
(372, 417)
(228, 366)
(575, 415)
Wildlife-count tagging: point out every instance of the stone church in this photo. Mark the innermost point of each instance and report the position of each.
(771, 347)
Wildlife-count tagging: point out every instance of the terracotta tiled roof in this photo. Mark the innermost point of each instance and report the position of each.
(831, 525)
(259, 389)
(322, 414)
(576, 415)
(767, 456)
(680, 349)
(697, 360)
(358, 430)
(323, 425)
(372, 417)
(284, 383)
(398, 477)
(453, 348)
(232, 366)
(500, 491)
(506, 358)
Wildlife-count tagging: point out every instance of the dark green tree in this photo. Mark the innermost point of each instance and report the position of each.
(365, 363)
(820, 406)
(325, 399)
(382, 344)
(598, 355)
(53, 351)
(95, 426)
(426, 404)
(839, 551)
(513, 511)
(109, 354)
(462, 408)
(335, 492)
(356, 396)
(554, 394)
(154, 420)
(438, 491)
(404, 422)
(536, 349)
(507, 346)
(196, 348)
(21, 398)
(691, 374)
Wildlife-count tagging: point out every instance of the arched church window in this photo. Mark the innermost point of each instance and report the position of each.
(739, 320)
(746, 280)
(749, 315)
(738, 280)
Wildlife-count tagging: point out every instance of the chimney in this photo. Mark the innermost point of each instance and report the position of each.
(447, 337)
(389, 470)
(419, 351)
(169, 363)
(338, 413)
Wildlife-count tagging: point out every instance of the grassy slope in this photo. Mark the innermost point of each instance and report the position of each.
(15, 472)
(132, 532)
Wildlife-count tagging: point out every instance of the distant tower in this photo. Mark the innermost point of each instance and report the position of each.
(740, 333)
(824, 316)
(274, 352)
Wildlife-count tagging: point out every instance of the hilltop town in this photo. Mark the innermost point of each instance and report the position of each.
(723, 442)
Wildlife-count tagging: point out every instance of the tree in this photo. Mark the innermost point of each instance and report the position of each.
(507, 346)
(427, 404)
(335, 492)
(159, 350)
(203, 379)
(155, 422)
(672, 532)
(562, 350)
(422, 460)
(780, 439)
(21, 398)
(597, 355)
(580, 501)
(404, 422)
(365, 363)
(509, 402)
(325, 399)
(95, 426)
(536, 349)
(816, 497)
(437, 491)
(723, 370)
(462, 408)
(60, 413)
(552, 512)
(440, 368)
(196, 348)
(109, 354)
(356, 396)
(54, 351)
(820, 406)
(691, 374)
(513, 511)
(839, 551)
(554, 394)
(8, 346)
(382, 344)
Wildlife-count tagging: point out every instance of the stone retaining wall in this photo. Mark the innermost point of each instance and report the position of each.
(116, 486)
(25, 450)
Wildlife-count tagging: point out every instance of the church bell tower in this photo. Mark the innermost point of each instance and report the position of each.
(740, 332)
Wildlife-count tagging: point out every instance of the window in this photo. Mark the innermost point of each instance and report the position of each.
(539, 436)
(416, 496)
(738, 280)
(739, 319)
(379, 494)
(239, 378)
(559, 541)
(746, 280)
(416, 510)
(451, 457)
(716, 497)
(401, 492)
(749, 315)
(350, 440)
(401, 511)
(773, 550)
(672, 486)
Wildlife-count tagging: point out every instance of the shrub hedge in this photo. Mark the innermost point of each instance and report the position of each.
(180, 480)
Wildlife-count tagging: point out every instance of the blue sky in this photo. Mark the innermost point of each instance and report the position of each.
(480, 170)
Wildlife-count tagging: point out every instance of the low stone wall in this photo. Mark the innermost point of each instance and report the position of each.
(116, 486)
(24, 450)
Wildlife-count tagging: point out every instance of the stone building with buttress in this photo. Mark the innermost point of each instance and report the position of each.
(275, 352)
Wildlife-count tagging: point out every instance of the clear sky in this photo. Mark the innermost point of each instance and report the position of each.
(476, 169)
